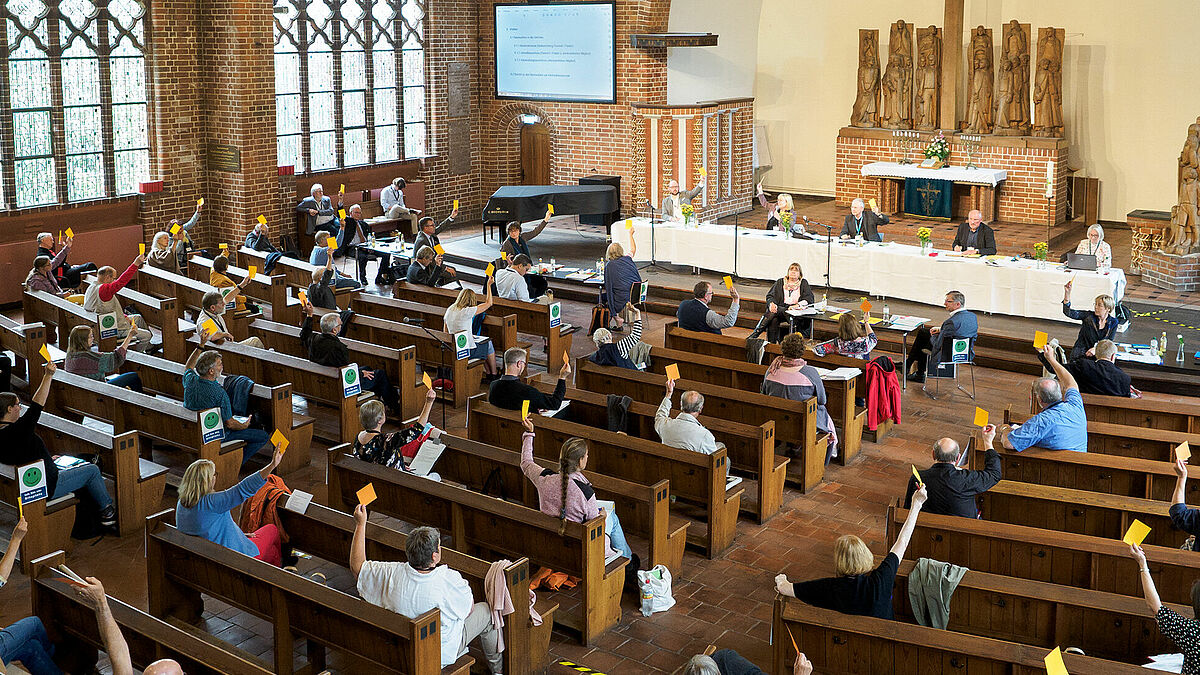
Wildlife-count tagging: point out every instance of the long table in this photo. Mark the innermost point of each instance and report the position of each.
(1001, 286)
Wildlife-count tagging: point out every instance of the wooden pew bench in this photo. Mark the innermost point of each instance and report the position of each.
(1046, 615)
(482, 525)
(316, 383)
(694, 476)
(1064, 558)
(269, 290)
(532, 318)
(180, 568)
(25, 341)
(165, 421)
(749, 448)
(59, 316)
(1125, 441)
(272, 405)
(190, 293)
(501, 330)
(326, 534)
(71, 622)
(644, 508)
(795, 421)
(841, 643)
(162, 313)
(50, 521)
(399, 361)
(298, 273)
(1152, 411)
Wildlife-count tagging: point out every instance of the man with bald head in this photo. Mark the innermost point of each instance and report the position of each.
(685, 431)
(952, 490)
(975, 236)
(862, 222)
(1061, 424)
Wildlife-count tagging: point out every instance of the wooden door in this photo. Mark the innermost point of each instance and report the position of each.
(535, 154)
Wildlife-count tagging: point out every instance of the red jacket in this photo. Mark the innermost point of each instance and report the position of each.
(883, 392)
(107, 291)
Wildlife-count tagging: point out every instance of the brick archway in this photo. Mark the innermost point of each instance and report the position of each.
(502, 146)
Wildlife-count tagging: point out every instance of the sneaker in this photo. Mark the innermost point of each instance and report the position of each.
(108, 515)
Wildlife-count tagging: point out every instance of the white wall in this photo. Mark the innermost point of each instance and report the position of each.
(1129, 84)
(711, 73)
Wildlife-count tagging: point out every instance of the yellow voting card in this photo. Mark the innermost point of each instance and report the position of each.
(1182, 451)
(439, 250)
(504, 255)
(367, 494)
(1040, 338)
(874, 205)
(491, 269)
(141, 249)
(331, 242)
(45, 354)
(981, 417)
(209, 326)
(342, 189)
(455, 204)
(425, 379)
(629, 223)
(200, 202)
(703, 172)
(20, 507)
(1137, 533)
(917, 476)
(550, 209)
(728, 282)
(222, 246)
(262, 220)
(175, 229)
(672, 371)
(279, 441)
(342, 214)
(1054, 663)
(70, 233)
(250, 271)
(524, 410)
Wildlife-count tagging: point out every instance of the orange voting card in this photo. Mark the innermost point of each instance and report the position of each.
(455, 204)
(331, 242)
(250, 271)
(981, 417)
(439, 250)
(793, 637)
(524, 410)
(367, 495)
(865, 306)
(918, 476)
(303, 297)
(45, 354)
(567, 359)
(1137, 533)
(262, 220)
(141, 249)
(70, 233)
(728, 282)
(1040, 339)
(672, 371)
(1182, 451)
(1054, 663)
(491, 269)
(425, 379)
(279, 441)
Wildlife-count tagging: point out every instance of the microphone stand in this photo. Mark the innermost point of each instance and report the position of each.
(442, 349)
(828, 250)
(653, 242)
(735, 243)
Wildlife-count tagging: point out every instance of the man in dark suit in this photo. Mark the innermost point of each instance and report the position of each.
(861, 221)
(975, 236)
(319, 212)
(952, 490)
(1099, 375)
(927, 346)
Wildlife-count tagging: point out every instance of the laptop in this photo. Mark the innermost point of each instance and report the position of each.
(1081, 261)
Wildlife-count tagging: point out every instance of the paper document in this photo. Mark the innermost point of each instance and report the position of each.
(552, 413)
(298, 501)
(422, 463)
(807, 311)
(731, 481)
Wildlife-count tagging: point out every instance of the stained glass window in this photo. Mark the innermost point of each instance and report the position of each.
(349, 77)
(101, 149)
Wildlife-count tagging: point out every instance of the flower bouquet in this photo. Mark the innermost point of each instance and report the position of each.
(1040, 249)
(937, 151)
(689, 213)
(785, 221)
(924, 235)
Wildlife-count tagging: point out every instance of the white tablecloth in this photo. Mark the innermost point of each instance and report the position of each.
(958, 174)
(1016, 288)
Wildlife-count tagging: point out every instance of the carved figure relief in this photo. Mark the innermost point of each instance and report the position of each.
(866, 104)
(897, 81)
(1047, 84)
(980, 101)
(1012, 86)
(928, 78)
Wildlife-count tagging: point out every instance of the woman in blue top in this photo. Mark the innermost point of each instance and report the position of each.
(1098, 324)
(204, 513)
(620, 275)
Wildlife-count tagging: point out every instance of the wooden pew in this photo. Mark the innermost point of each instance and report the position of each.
(466, 373)
(694, 476)
(795, 421)
(397, 360)
(1047, 615)
(644, 507)
(50, 521)
(1110, 474)
(72, 625)
(268, 289)
(532, 318)
(1064, 558)
(164, 313)
(1078, 511)
(694, 365)
(1125, 441)
(146, 415)
(180, 568)
(749, 448)
(317, 384)
(62, 315)
(1152, 411)
(298, 273)
(190, 292)
(502, 330)
(842, 643)
(25, 341)
(138, 483)
(272, 405)
(326, 533)
(476, 523)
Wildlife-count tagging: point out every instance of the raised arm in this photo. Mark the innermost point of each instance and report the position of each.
(1064, 376)
(358, 543)
(918, 499)
(430, 397)
(110, 632)
(530, 468)
(14, 544)
(1148, 590)
(1178, 497)
(487, 297)
(43, 390)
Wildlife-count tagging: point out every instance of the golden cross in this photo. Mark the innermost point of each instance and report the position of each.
(927, 195)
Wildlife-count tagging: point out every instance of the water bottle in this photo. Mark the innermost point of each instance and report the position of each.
(1179, 354)
(887, 313)
(1154, 346)
(858, 240)
(1162, 344)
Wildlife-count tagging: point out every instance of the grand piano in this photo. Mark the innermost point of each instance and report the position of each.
(523, 203)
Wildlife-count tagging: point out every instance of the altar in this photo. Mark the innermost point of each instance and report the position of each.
(983, 185)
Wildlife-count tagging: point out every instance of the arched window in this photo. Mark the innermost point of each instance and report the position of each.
(338, 100)
(73, 115)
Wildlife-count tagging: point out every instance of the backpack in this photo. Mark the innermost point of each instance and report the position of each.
(600, 318)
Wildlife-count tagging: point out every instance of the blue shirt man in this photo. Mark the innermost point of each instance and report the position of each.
(1061, 424)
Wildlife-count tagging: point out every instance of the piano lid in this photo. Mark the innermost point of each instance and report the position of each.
(528, 202)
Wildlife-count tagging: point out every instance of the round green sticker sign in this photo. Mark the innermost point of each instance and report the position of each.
(211, 420)
(351, 376)
(32, 476)
(108, 321)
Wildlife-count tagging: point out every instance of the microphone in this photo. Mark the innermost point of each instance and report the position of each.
(410, 319)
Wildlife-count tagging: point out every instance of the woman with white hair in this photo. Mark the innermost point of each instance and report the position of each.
(620, 277)
(629, 352)
(165, 250)
(1095, 245)
(781, 209)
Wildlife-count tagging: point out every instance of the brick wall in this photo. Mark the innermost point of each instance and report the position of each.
(1148, 228)
(1179, 273)
(1022, 196)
